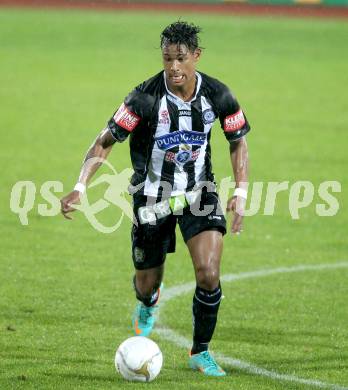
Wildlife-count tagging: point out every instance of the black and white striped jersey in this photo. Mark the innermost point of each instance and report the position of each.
(170, 138)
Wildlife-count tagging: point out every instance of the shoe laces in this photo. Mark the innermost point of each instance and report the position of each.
(210, 361)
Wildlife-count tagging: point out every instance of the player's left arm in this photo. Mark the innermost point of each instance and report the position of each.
(235, 126)
(240, 161)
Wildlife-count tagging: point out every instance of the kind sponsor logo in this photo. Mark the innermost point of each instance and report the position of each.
(186, 154)
(126, 118)
(184, 112)
(164, 117)
(176, 138)
(234, 122)
(183, 156)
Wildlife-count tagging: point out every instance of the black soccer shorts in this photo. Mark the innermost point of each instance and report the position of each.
(151, 241)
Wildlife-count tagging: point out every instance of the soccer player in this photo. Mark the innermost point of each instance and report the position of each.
(169, 120)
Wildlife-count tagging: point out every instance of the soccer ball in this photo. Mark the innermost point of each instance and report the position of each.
(138, 359)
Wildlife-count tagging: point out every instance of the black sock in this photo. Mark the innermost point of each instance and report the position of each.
(205, 308)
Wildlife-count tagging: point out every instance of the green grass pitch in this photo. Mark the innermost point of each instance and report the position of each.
(65, 289)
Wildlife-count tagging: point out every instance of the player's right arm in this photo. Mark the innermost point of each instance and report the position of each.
(95, 156)
(131, 116)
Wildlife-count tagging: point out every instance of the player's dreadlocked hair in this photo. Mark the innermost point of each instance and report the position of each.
(181, 33)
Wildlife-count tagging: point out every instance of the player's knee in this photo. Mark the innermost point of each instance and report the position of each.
(146, 291)
(207, 277)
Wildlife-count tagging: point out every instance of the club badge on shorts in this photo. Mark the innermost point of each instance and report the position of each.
(139, 254)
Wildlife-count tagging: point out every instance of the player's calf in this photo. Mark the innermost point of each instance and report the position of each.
(205, 309)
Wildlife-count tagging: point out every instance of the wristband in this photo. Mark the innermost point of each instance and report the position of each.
(80, 188)
(241, 192)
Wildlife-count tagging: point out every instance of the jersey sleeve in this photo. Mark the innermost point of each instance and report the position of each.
(131, 115)
(232, 118)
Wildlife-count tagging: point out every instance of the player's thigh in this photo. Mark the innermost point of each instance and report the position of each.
(203, 236)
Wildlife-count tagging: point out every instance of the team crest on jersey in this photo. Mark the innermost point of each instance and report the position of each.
(126, 118)
(234, 122)
(176, 138)
(208, 116)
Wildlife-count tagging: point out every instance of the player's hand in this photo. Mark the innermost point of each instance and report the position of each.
(236, 204)
(67, 203)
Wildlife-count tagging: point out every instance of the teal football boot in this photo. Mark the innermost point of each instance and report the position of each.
(205, 363)
(144, 317)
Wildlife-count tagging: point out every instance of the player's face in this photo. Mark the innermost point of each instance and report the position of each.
(180, 66)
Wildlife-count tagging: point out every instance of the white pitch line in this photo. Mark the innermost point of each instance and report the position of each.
(175, 291)
(181, 341)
